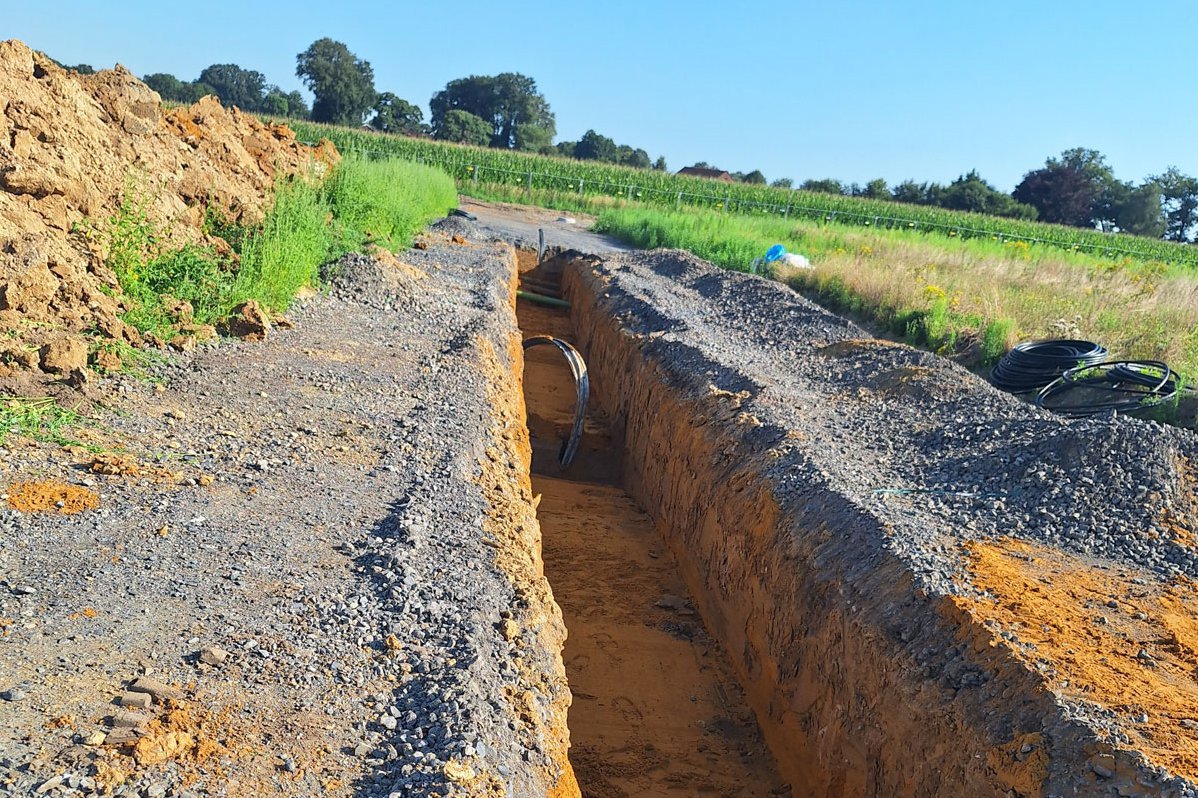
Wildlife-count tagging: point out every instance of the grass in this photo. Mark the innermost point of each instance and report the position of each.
(970, 299)
(476, 167)
(308, 224)
(42, 419)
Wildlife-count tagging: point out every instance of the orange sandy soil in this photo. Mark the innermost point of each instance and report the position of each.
(1103, 635)
(656, 710)
(51, 496)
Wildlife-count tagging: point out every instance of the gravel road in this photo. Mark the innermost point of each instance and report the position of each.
(302, 551)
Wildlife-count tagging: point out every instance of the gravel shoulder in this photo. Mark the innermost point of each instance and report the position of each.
(323, 540)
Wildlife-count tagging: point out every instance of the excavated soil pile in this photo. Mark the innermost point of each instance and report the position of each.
(72, 147)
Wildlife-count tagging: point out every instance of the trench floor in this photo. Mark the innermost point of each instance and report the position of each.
(656, 711)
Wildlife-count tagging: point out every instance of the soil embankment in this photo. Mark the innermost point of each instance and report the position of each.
(76, 148)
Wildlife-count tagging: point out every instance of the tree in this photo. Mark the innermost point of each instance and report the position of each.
(1179, 195)
(82, 69)
(1142, 212)
(280, 103)
(395, 115)
(970, 192)
(531, 137)
(1077, 189)
(660, 164)
(235, 86)
(876, 189)
(171, 89)
(463, 127)
(635, 157)
(595, 147)
(783, 182)
(342, 82)
(1059, 194)
(506, 101)
(168, 86)
(565, 148)
(755, 177)
(918, 193)
(825, 186)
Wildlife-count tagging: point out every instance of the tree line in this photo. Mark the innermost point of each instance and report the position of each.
(1078, 188)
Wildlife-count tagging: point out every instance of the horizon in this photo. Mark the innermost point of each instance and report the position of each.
(884, 104)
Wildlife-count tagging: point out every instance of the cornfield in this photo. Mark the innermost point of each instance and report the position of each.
(564, 175)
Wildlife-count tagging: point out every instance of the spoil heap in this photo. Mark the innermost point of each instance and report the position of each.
(72, 149)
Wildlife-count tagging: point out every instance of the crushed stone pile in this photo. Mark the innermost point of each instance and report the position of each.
(72, 147)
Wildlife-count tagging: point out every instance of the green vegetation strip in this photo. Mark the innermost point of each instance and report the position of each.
(309, 223)
(41, 418)
(971, 299)
(473, 166)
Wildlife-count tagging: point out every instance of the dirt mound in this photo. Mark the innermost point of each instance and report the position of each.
(51, 496)
(72, 148)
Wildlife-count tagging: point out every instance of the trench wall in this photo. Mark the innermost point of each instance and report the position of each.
(864, 684)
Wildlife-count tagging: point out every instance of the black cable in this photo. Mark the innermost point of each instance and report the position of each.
(1124, 385)
(582, 382)
(1031, 365)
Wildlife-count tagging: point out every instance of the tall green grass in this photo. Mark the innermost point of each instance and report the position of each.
(308, 223)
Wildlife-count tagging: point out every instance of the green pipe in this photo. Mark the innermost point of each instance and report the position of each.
(541, 299)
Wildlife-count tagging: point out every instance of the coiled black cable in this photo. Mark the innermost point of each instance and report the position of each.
(1031, 365)
(1120, 386)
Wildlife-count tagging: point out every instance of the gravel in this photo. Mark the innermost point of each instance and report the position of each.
(963, 461)
(341, 512)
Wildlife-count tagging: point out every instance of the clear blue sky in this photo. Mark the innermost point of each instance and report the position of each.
(852, 89)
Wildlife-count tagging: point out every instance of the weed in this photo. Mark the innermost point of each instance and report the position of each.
(42, 419)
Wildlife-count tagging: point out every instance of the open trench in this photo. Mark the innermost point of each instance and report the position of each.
(657, 710)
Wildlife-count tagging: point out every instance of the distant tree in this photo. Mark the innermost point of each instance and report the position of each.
(1077, 189)
(660, 164)
(825, 186)
(1179, 195)
(1142, 213)
(704, 165)
(82, 69)
(235, 86)
(876, 189)
(595, 147)
(918, 193)
(1060, 194)
(463, 127)
(755, 177)
(506, 101)
(297, 106)
(275, 102)
(635, 157)
(531, 137)
(395, 115)
(168, 86)
(783, 182)
(342, 82)
(970, 192)
(565, 148)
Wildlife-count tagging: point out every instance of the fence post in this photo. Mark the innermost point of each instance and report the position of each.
(580, 182)
(529, 188)
(474, 173)
(680, 199)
